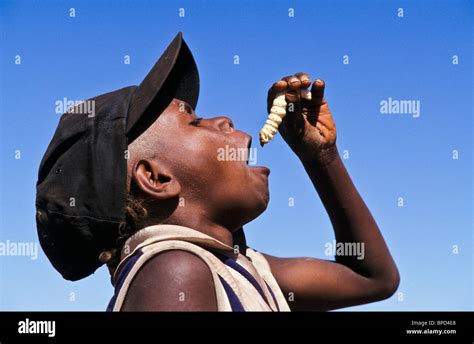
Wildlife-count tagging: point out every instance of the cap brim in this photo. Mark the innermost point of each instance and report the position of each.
(175, 75)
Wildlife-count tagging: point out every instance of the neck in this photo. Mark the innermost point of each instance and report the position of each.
(202, 225)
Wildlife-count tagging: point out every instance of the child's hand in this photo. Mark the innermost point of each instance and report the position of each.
(309, 129)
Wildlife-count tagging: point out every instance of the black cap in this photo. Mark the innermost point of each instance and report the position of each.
(81, 189)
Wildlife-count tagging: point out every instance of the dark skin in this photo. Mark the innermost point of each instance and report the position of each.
(177, 157)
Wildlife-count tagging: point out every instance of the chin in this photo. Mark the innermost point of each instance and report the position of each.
(265, 196)
(265, 201)
(260, 205)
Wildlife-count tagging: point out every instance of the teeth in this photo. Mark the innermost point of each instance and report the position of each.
(276, 115)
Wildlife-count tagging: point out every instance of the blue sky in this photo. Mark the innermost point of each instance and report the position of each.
(390, 155)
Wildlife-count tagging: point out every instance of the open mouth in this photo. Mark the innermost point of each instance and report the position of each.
(261, 169)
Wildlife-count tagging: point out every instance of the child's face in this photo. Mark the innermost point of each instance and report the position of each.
(208, 159)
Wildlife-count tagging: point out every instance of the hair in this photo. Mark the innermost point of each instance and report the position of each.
(136, 214)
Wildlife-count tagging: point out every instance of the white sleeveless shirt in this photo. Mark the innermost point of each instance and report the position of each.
(242, 283)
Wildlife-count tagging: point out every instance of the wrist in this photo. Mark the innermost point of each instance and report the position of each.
(320, 158)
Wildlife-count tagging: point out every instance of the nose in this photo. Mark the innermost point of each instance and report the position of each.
(224, 124)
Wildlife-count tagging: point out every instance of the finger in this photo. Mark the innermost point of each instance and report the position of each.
(276, 88)
(292, 96)
(292, 123)
(293, 82)
(293, 100)
(305, 84)
(317, 90)
(304, 78)
(280, 86)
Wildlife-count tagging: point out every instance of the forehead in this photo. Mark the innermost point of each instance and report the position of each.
(180, 105)
(176, 112)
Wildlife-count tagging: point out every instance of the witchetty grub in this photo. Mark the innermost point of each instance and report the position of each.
(276, 115)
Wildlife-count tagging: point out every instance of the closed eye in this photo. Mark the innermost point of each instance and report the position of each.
(196, 122)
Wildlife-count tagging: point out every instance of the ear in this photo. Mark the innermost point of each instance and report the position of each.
(155, 182)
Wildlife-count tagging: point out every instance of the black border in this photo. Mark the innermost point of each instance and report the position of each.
(350, 325)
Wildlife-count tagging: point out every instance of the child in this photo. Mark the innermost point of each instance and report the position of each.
(153, 201)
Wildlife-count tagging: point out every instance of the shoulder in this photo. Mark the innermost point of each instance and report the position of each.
(172, 281)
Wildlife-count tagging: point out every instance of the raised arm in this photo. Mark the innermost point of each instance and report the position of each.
(352, 279)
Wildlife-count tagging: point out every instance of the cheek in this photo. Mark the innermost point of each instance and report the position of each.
(227, 179)
(200, 161)
(243, 185)
(204, 153)
(197, 162)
